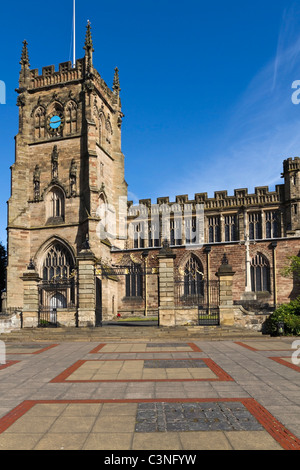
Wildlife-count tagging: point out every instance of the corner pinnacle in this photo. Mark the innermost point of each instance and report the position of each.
(88, 46)
(24, 57)
(116, 82)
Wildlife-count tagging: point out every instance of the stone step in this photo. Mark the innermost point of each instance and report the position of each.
(119, 333)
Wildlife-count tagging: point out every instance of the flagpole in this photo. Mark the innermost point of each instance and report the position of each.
(74, 34)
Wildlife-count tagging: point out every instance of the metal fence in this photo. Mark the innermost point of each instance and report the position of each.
(201, 294)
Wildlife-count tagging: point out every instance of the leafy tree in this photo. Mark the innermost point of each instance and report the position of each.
(293, 267)
(289, 314)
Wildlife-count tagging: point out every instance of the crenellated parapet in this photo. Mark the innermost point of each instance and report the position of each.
(291, 164)
(263, 214)
(49, 76)
(221, 200)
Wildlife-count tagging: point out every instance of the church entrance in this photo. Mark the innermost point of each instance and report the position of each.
(53, 298)
(57, 290)
(200, 294)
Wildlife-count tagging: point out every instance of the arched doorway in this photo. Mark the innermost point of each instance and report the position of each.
(57, 291)
(193, 291)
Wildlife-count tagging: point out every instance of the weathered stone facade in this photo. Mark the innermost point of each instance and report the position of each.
(77, 246)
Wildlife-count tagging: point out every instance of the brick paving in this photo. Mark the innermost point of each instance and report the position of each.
(97, 395)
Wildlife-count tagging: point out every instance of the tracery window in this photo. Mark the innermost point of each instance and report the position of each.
(153, 235)
(57, 264)
(138, 235)
(255, 232)
(193, 277)
(176, 232)
(190, 230)
(71, 118)
(55, 206)
(214, 232)
(39, 123)
(260, 274)
(101, 130)
(230, 228)
(272, 224)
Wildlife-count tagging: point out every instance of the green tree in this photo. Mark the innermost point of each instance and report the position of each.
(293, 268)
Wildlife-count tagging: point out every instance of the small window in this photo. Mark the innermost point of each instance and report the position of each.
(254, 226)
(55, 206)
(39, 123)
(71, 118)
(230, 228)
(175, 232)
(214, 232)
(272, 224)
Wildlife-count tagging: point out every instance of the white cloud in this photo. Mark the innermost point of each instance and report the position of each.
(263, 130)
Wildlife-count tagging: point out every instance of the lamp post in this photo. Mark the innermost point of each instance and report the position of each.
(145, 257)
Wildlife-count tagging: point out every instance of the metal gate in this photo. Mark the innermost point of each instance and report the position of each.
(47, 317)
(201, 294)
(53, 296)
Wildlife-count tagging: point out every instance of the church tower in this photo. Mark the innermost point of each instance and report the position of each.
(68, 162)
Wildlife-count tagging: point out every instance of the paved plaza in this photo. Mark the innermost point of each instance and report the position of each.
(134, 395)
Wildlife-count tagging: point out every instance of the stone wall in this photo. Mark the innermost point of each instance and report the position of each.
(250, 320)
(9, 323)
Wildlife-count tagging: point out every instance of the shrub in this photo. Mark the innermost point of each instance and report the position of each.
(289, 314)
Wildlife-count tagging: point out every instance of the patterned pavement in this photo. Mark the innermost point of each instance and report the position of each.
(141, 395)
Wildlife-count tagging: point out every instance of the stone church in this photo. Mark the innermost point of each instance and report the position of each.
(80, 253)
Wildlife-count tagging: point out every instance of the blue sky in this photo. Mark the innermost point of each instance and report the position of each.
(206, 86)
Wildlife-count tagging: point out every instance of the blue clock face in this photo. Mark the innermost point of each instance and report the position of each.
(55, 122)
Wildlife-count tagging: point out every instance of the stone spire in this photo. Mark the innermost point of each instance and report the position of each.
(24, 57)
(116, 82)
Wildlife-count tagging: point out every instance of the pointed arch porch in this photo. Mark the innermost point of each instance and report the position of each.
(56, 265)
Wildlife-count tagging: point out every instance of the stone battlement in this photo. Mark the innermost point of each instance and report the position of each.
(64, 74)
(291, 164)
(221, 199)
(262, 196)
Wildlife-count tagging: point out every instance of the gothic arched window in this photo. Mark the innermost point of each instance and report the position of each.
(260, 274)
(193, 277)
(101, 129)
(271, 224)
(71, 118)
(55, 206)
(255, 229)
(39, 123)
(58, 263)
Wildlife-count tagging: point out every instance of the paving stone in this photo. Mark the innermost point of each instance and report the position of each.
(178, 417)
(173, 364)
